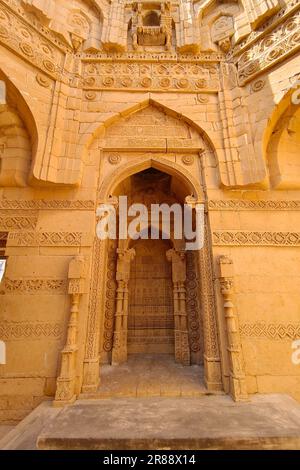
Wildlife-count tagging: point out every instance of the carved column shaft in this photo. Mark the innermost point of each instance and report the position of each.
(119, 351)
(91, 360)
(237, 379)
(212, 362)
(182, 348)
(66, 382)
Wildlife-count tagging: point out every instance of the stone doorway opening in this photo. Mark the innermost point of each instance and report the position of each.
(150, 313)
(157, 345)
(151, 179)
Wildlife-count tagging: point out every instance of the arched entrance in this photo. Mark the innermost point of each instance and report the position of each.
(154, 176)
(151, 276)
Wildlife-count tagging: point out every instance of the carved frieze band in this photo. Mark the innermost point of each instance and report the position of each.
(238, 238)
(29, 43)
(177, 77)
(47, 204)
(10, 331)
(283, 40)
(277, 331)
(49, 239)
(241, 204)
(255, 35)
(17, 222)
(32, 286)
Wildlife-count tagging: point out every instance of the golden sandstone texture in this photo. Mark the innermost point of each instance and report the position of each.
(160, 101)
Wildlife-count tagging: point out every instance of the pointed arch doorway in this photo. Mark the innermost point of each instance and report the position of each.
(109, 292)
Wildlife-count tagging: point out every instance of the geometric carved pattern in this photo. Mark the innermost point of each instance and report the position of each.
(45, 239)
(13, 331)
(30, 286)
(14, 223)
(289, 331)
(256, 238)
(3, 236)
(244, 204)
(47, 204)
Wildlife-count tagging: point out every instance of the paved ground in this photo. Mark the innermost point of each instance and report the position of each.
(151, 375)
(208, 422)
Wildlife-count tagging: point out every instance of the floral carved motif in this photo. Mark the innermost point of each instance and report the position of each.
(188, 159)
(44, 81)
(270, 49)
(114, 158)
(31, 286)
(178, 77)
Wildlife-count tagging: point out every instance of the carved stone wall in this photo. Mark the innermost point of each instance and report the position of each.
(92, 92)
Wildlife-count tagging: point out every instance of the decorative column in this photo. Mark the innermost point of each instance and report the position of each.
(66, 382)
(211, 356)
(119, 351)
(182, 348)
(237, 378)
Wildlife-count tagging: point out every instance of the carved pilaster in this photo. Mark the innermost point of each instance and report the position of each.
(182, 348)
(65, 390)
(237, 379)
(119, 352)
(212, 363)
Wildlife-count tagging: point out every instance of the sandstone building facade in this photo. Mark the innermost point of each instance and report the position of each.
(177, 101)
